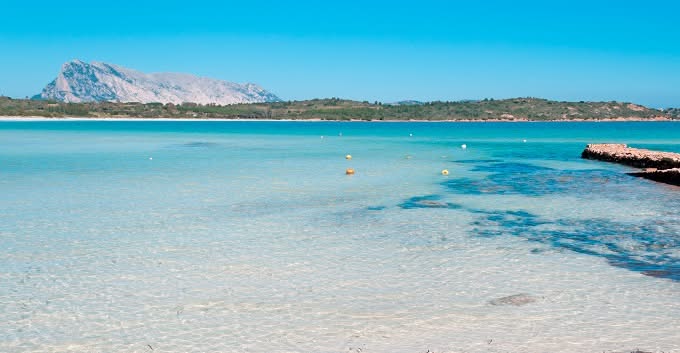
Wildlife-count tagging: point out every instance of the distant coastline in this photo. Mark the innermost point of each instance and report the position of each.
(75, 118)
(335, 109)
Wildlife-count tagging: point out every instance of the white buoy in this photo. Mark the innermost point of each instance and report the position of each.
(150, 158)
(525, 141)
(410, 135)
(463, 146)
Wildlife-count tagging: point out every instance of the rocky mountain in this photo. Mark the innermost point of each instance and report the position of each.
(94, 82)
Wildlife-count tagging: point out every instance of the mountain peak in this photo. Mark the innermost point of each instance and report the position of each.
(73, 63)
(79, 81)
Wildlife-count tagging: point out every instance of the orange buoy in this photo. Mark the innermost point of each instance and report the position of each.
(349, 171)
(445, 172)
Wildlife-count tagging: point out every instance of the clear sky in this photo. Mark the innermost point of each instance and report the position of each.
(380, 50)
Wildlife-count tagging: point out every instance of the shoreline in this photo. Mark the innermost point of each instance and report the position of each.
(74, 118)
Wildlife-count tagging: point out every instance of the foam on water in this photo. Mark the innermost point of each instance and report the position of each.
(249, 237)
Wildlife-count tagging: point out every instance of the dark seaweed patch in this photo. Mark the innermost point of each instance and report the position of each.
(646, 248)
(428, 201)
(531, 180)
(199, 144)
(497, 223)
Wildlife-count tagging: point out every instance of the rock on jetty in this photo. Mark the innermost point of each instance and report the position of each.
(659, 166)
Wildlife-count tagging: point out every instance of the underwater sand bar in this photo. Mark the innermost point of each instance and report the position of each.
(660, 166)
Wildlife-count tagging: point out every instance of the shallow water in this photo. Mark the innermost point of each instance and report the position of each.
(249, 237)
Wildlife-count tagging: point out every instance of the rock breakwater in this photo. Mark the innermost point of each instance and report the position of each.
(659, 166)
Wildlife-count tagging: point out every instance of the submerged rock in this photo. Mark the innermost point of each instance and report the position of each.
(516, 300)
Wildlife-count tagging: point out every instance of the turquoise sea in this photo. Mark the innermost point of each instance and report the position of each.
(217, 236)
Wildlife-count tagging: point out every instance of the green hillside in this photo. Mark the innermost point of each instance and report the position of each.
(534, 109)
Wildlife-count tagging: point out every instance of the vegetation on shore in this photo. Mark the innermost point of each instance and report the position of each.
(673, 113)
(533, 109)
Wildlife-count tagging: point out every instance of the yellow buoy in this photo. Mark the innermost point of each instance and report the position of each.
(445, 172)
(349, 156)
(349, 171)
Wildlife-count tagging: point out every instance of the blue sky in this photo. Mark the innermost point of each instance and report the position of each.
(386, 51)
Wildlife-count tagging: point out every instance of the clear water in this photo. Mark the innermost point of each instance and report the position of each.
(249, 237)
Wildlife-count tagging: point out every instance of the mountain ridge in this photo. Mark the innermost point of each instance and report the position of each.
(81, 82)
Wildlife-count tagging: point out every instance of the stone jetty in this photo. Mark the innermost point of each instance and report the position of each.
(658, 166)
(668, 176)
